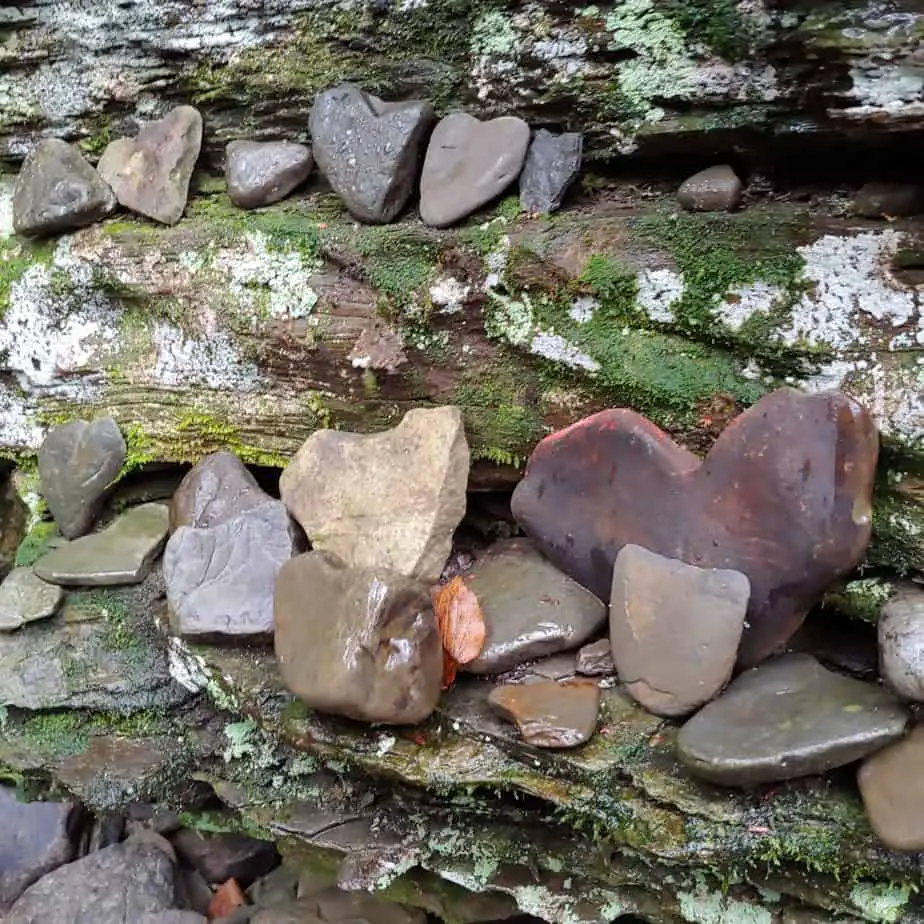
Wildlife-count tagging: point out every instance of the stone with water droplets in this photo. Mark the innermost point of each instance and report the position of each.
(715, 189)
(901, 642)
(553, 163)
(259, 173)
(784, 497)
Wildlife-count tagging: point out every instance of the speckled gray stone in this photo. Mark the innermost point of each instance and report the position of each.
(901, 642)
(259, 173)
(553, 163)
(25, 597)
(715, 189)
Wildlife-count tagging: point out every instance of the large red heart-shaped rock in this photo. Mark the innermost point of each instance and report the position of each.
(784, 496)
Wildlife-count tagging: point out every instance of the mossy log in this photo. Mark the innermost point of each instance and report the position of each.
(632, 74)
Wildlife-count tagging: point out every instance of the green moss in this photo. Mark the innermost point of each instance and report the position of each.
(207, 434)
(35, 544)
(716, 24)
(898, 532)
(861, 599)
(56, 733)
(16, 256)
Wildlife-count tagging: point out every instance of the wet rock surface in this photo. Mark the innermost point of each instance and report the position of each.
(368, 149)
(226, 856)
(892, 786)
(220, 580)
(553, 163)
(888, 200)
(662, 497)
(78, 462)
(259, 173)
(385, 500)
(469, 163)
(357, 642)
(901, 642)
(58, 190)
(550, 714)
(674, 629)
(25, 598)
(150, 173)
(119, 554)
(715, 189)
(35, 838)
(788, 718)
(596, 659)
(530, 608)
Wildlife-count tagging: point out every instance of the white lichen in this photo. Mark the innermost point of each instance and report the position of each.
(583, 308)
(7, 184)
(558, 349)
(880, 902)
(214, 361)
(743, 302)
(703, 905)
(186, 668)
(448, 294)
(658, 290)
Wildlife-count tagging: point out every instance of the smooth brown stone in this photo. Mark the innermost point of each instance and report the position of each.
(783, 497)
(892, 786)
(550, 714)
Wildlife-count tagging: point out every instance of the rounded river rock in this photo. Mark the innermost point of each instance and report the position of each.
(259, 173)
(901, 642)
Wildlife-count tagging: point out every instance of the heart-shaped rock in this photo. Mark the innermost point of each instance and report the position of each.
(150, 173)
(783, 497)
(468, 164)
(368, 149)
(77, 463)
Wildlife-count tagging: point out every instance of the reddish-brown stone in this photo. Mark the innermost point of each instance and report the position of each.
(784, 497)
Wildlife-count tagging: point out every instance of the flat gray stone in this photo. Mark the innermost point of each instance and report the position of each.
(35, 838)
(259, 173)
(78, 463)
(369, 150)
(120, 554)
(57, 190)
(173, 917)
(901, 642)
(387, 500)
(553, 163)
(150, 173)
(715, 189)
(790, 717)
(25, 597)
(468, 164)
(216, 489)
(674, 629)
(361, 643)
(221, 580)
(596, 659)
(892, 200)
(116, 885)
(531, 609)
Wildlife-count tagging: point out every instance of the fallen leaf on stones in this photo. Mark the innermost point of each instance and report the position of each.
(227, 897)
(461, 626)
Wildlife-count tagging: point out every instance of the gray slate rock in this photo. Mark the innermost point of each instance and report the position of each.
(112, 886)
(216, 489)
(787, 718)
(901, 642)
(122, 553)
(368, 149)
(531, 609)
(57, 190)
(553, 163)
(715, 189)
(674, 629)
(357, 642)
(150, 173)
(78, 463)
(596, 659)
(221, 580)
(226, 856)
(259, 173)
(173, 917)
(25, 597)
(896, 200)
(468, 164)
(35, 838)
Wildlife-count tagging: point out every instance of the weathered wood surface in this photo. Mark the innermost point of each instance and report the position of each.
(633, 74)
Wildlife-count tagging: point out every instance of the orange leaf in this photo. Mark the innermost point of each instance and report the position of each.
(461, 625)
(226, 898)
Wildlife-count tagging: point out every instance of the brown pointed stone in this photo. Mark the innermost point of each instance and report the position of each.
(783, 497)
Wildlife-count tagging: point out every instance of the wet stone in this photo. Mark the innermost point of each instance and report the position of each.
(615, 479)
(892, 786)
(888, 200)
(550, 714)
(596, 659)
(788, 718)
(173, 917)
(468, 164)
(531, 609)
(57, 190)
(357, 642)
(216, 489)
(111, 886)
(369, 150)
(35, 838)
(221, 580)
(150, 173)
(715, 189)
(226, 856)
(553, 163)
(384, 500)
(259, 173)
(77, 463)
(120, 554)
(25, 597)
(901, 642)
(674, 629)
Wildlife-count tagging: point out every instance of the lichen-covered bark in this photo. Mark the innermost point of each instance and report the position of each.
(628, 72)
